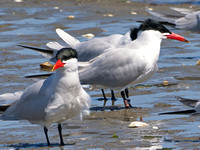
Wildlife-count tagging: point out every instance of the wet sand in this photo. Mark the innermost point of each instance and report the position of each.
(34, 23)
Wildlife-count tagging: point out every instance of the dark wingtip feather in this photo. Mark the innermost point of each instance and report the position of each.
(4, 107)
(37, 49)
(190, 111)
(188, 102)
(39, 75)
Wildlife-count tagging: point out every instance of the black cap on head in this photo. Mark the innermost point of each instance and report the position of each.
(66, 54)
(151, 24)
(148, 24)
(133, 33)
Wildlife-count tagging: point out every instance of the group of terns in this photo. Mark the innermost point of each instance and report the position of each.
(101, 63)
(114, 62)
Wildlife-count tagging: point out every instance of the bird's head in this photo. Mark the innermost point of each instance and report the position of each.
(151, 24)
(64, 55)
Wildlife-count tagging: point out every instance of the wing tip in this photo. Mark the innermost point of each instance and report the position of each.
(182, 112)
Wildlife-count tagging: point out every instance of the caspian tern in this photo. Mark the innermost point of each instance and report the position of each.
(92, 48)
(88, 50)
(190, 20)
(53, 100)
(112, 70)
(195, 104)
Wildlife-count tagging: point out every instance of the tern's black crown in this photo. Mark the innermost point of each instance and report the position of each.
(151, 24)
(66, 54)
(148, 24)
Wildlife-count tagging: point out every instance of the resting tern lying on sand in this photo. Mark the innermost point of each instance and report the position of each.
(191, 20)
(195, 104)
(129, 64)
(53, 100)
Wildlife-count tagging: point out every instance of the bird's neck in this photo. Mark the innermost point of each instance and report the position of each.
(150, 37)
(67, 77)
(149, 44)
(67, 82)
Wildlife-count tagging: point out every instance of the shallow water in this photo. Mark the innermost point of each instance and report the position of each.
(34, 23)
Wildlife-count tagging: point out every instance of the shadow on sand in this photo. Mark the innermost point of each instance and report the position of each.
(37, 145)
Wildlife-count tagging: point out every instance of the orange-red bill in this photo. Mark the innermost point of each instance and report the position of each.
(177, 37)
(58, 65)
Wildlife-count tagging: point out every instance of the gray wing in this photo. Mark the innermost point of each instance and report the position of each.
(184, 11)
(32, 99)
(92, 48)
(162, 16)
(114, 69)
(190, 21)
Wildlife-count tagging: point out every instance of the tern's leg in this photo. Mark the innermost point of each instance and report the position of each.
(60, 134)
(127, 96)
(113, 97)
(125, 100)
(126, 92)
(46, 134)
(104, 96)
